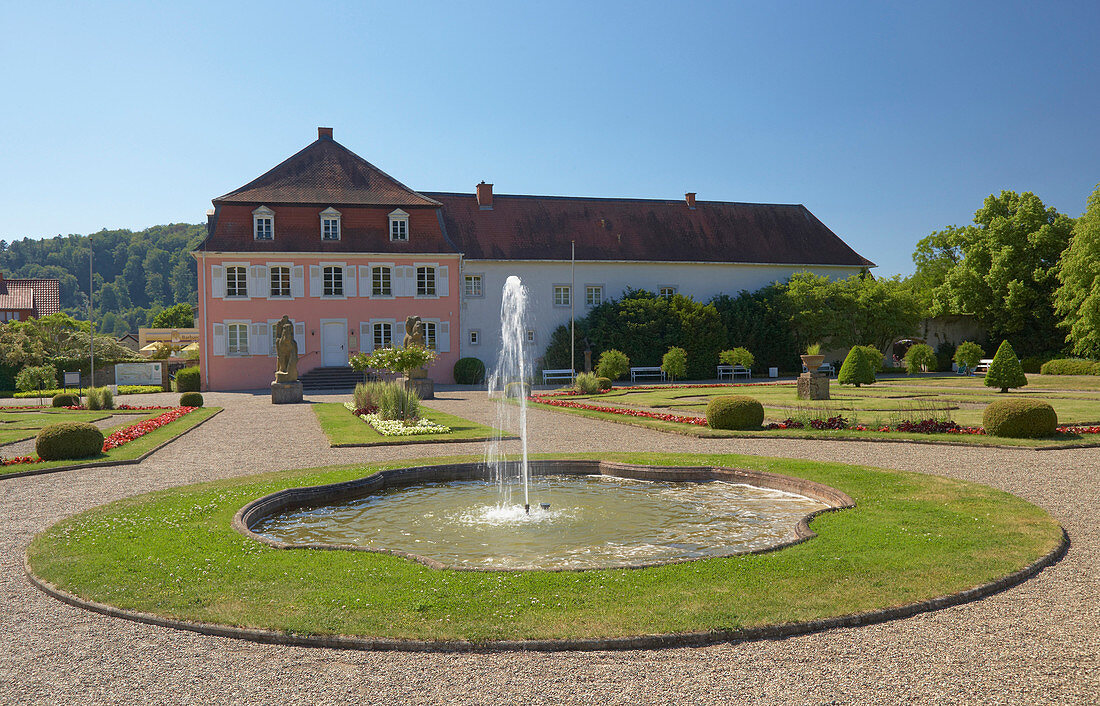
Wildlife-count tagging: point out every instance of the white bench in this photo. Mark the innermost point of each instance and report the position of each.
(983, 365)
(653, 371)
(729, 372)
(826, 368)
(560, 374)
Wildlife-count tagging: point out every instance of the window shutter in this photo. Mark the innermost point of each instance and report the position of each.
(259, 339)
(219, 339)
(259, 283)
(397, 281)
(364, 283)
(217, 282)
(349, 281)
(366, 337)
(443, 336)
(300, 336)
(315, 280)
(441, 280)
(297, 281)
(409, 273)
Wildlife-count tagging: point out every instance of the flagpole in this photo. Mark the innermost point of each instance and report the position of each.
(572, 308)
(91, 321)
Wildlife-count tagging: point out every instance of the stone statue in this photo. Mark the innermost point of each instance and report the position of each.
(286, 349)
(414, 335)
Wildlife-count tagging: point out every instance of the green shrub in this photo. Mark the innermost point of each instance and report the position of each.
(587, 383)
(65, 399)
(191, 399)
(469, 371)
(1005, 371)
(187, 380)
(874, 358)
(945, 353)
(368, 394)
(1020, 419)
(969, 354)
(395, 401)
(68, 440)
(605, 383)
(100, 398)
(36, 377)
(920, 356)
(674, 363)
(1032, 364)
(1070, 366)
(613, 364)
(737, 356)
(517, 389)
(857, 368)
(735, 412)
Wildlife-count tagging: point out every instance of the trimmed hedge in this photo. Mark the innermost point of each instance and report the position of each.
(735, 412)
(187, 380)
(605, 383)
(65, 399)
(1070, 366)
(469, 371)
(191, 399)
(68, 440)
(1020, 419)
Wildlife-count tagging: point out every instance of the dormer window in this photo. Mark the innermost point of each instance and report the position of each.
(399, 225)
(330, 224)
(263, 223)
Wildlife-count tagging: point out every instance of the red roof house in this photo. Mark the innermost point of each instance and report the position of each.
(22, 299)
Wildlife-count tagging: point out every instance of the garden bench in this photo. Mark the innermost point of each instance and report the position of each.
(826, 368)
(729, 372)
(983, 365)
(652, 371)
(725, 372)
(559, 374)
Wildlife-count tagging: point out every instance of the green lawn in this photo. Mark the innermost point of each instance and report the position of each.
(345, 429)
(911, 537)
(126, 452)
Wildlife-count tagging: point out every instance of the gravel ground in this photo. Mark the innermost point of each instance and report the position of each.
(1036, 643)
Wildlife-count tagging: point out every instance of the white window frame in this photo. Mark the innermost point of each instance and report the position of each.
(477, 278)
(567, 301)
(474, 336)
(374, 323)
(289, 267)
(532, 337)
(588, 289)
(330, 214)
(398, 226)
(260, 214)
(244, 268)
(435, 279)
(388, 266)
(338, 267)
(246, 326)
(673, 290)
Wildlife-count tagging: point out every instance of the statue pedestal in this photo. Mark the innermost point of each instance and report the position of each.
(424, 387)
(813, 386)
(286, 392)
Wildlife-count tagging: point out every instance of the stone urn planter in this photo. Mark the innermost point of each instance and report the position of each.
(812, 362)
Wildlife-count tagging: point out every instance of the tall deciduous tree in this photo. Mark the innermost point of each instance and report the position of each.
(1005, 271)
(857, 310)
(1077, 300)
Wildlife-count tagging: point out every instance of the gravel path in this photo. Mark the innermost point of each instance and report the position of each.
(1036, 643)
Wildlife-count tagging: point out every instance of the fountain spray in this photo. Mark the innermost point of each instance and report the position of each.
(510, 379)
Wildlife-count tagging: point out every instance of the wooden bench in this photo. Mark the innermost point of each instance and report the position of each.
(729, 372)
(652, 371)
(559, 374)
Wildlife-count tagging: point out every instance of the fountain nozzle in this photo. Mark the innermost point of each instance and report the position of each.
(527, 508)
(544, 506)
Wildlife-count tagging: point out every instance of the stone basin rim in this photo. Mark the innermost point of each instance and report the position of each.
(292, 498)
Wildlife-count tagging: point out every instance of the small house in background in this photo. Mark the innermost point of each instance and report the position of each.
(130, 341)
(22, 299)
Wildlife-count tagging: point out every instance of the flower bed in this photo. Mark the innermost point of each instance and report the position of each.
(396, 427)
(122, 436)
(683, 419)
(628, 388)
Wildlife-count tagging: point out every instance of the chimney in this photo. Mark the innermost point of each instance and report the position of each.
(690, 198)
(485, 196)
(324, 133)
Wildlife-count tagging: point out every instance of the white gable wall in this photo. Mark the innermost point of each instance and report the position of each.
(700, 281)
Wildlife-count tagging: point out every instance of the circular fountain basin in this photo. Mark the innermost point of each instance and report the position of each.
(601, 515)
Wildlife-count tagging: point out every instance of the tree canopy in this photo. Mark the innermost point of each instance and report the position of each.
(1077, 299)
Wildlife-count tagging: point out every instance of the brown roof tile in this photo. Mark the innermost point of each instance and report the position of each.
(326, 172)
(541, 228)
(43, 296)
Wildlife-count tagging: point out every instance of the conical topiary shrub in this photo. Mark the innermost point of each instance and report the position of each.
(1005, 371)
(857, 368)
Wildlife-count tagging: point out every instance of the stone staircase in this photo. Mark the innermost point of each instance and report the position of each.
(337, 379)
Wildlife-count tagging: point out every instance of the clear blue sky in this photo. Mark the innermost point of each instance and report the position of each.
(887, 120)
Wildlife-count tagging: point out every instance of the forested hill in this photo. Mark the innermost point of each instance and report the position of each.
(136, 274)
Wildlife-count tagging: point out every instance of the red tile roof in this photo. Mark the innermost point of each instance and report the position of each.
(326, 172)
(541, 228)
(42, 296)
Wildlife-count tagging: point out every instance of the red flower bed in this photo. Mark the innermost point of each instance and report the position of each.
(620, 410)
(122, 436)
(570, 393)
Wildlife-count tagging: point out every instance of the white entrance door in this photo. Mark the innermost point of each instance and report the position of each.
(334, 343)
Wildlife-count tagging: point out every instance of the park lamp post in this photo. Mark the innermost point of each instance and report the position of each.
(91, 321)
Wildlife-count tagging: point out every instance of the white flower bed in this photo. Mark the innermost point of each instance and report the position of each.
(395, 427)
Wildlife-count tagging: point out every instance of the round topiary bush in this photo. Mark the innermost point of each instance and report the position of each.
(1020, 419)
(187, 380)
(65, 399)
(605, 383)
(735, 412)
(68, 440)
(469, 371)
(191, 399)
